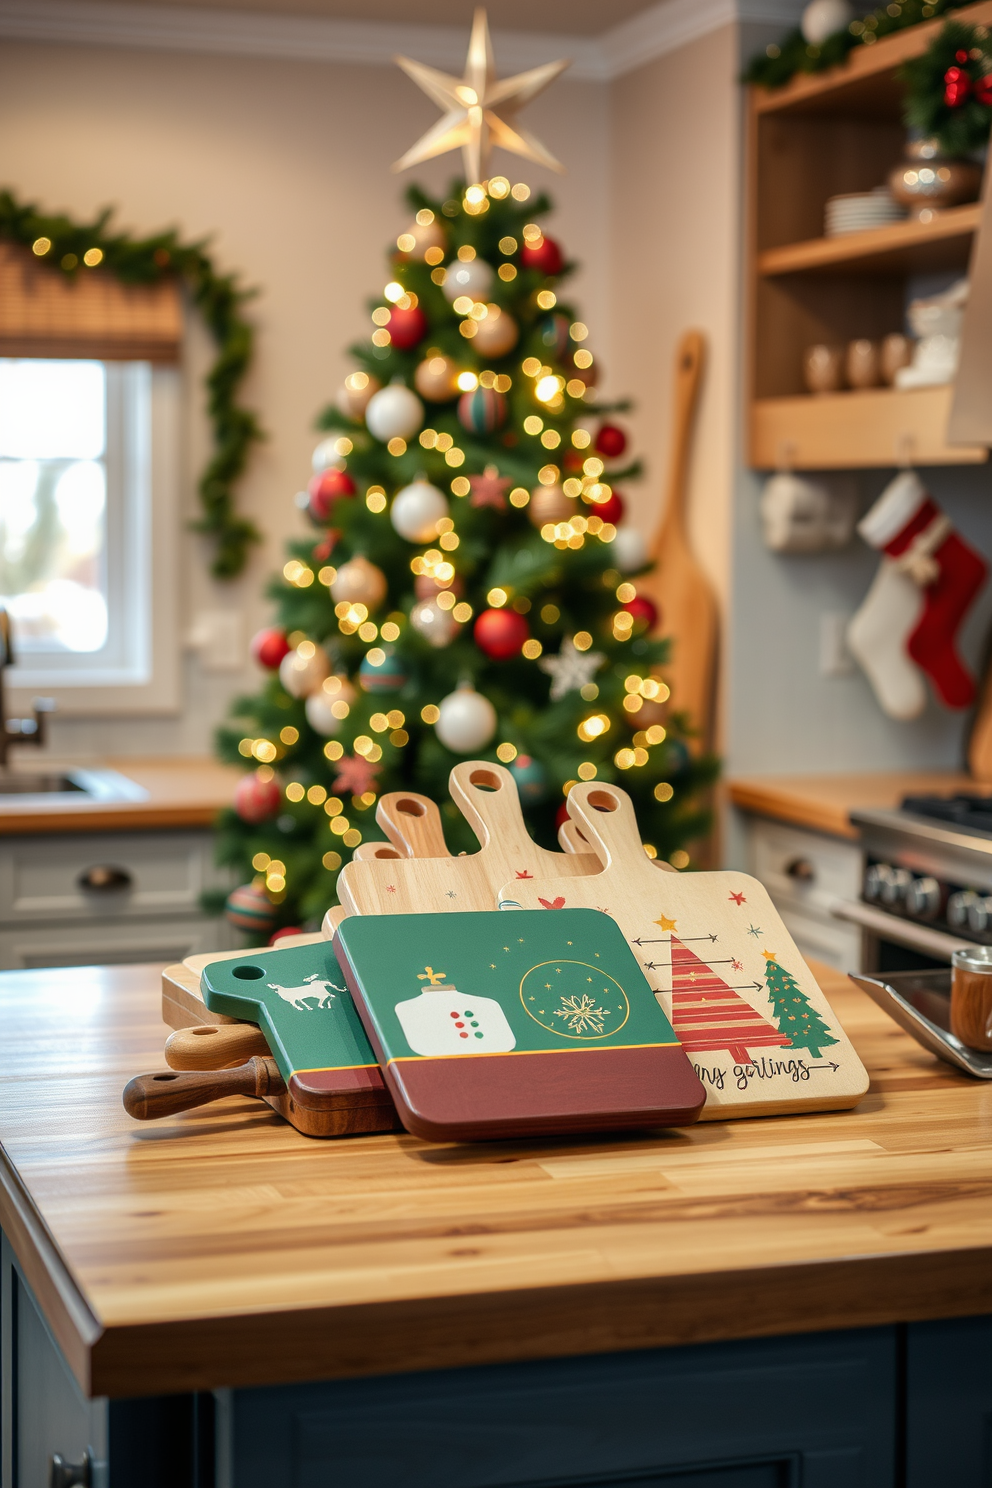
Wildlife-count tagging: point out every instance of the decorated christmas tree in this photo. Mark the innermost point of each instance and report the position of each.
(792, 1011)
(469, 587)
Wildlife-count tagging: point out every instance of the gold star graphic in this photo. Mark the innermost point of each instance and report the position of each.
(479, 110)
(769, 955)
(665, 923)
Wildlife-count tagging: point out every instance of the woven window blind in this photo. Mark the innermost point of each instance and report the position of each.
(43, 313)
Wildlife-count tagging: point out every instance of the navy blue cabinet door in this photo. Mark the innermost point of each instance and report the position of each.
(949, 1403)
(815, 1411)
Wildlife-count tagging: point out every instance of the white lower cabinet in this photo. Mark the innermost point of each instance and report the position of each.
(107, 898)
(804, 872)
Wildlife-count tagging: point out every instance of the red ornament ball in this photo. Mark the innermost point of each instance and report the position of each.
(499, 634)
(611, 510)
(325, 489)
(257, 797)
(249, 908)
(610, 442)
(269, 647)
(644, 611)
(407, 328)
(544, 255)
(561, 815)
(279, 935)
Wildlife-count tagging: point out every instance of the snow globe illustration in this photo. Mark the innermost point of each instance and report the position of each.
(442, 1020)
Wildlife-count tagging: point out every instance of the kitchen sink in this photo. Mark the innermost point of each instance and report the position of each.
(20, 788)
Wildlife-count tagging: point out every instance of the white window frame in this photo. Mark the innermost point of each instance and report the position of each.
(139, 672)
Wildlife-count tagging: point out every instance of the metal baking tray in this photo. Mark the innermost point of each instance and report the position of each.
(920, 1002)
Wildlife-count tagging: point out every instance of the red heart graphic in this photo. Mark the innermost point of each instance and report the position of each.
(558, 903)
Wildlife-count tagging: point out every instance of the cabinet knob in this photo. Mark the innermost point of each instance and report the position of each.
(104, 878)
(71, 1474)
(801, 869)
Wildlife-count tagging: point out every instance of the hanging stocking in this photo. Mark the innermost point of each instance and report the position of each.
(877, 637)
(909, 527)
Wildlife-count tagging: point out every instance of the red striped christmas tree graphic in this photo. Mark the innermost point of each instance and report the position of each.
(708, 1014)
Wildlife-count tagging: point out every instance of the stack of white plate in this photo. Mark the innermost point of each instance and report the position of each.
(861, 210)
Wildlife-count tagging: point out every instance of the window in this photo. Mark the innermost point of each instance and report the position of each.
(78, 469)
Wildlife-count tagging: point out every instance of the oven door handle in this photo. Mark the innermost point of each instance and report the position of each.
(902, 932)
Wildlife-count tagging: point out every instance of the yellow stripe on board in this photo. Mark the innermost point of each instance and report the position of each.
(521, 1053)
(322, 1069)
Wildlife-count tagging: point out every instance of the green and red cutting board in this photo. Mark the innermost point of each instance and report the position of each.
(299, 999)
(761, 1035)
(489, 1025)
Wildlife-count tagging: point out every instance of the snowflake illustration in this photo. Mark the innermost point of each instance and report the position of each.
(581, 1013)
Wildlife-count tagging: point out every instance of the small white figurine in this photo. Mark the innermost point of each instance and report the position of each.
(937, 322)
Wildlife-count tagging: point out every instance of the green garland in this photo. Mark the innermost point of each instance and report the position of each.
(219, 299)
(949, 91)
(779, 63)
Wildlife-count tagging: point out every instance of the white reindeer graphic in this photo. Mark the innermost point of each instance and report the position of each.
(308, 997)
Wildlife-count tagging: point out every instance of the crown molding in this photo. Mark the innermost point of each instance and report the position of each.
(663, 28)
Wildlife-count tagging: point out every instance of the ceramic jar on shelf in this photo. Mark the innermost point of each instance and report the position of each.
(927, 181)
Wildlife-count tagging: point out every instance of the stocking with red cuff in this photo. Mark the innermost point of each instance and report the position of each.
(920, 544)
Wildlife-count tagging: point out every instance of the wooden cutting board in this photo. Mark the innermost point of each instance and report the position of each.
(486, 795)
(677, 583)
(759, 1032)
(489, 1025)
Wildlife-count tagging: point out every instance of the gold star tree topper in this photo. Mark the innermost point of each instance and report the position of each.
(479, 110)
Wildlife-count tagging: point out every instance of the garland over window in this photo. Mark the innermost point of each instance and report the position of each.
(72, 248)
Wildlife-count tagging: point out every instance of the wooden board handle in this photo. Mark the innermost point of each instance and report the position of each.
(376, 850)
(214, 1046)
(147, 1097)
(572, 840)
(486, 795)
(688, 374)
(413, 824)
(605, 816)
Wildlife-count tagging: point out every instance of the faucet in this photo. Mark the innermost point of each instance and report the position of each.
(18, 730)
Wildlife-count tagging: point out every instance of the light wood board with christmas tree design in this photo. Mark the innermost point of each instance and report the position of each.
(745, 1006)
(491, 1026)
(486, 795)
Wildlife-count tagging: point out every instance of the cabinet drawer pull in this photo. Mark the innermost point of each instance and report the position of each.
(801, 869)
(71, 1474)
(104, 878)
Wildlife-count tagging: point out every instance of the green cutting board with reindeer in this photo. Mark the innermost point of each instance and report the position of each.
(300, 1000)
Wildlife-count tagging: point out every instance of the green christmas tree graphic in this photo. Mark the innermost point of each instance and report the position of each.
(792, 1011)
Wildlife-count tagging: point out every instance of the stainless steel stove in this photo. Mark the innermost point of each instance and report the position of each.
(927, 885)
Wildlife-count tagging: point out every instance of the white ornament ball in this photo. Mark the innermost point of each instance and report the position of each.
(416, 511)
(360, 582)
(303, 670)
(353, 397)
(329, 705)
(434, 624)
(630, 551)
(467, 721)
(394, 413)
(474, 279)
(822, 18)
(326, 457)
(425, 235)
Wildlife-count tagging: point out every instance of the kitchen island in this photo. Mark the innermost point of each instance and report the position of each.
(215, 1298)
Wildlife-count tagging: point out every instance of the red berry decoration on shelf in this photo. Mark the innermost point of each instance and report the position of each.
(643, 610)
(983, 90)
(610, 442)
(499, 634)
(407, 328)
(325, 489)
(957, 85)
(543, 255)
(269, 647)
(611, 510)
(257, 797)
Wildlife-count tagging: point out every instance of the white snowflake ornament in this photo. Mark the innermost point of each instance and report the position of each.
(571, 669)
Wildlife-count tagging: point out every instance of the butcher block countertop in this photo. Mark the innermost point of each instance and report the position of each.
(183, 791)
(221, 1248)
(824, 802)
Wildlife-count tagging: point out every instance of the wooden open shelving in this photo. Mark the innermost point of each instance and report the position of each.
(840, 131)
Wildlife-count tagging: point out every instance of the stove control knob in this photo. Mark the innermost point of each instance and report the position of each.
(923, 898)
(958, 906)
(980, 915)
(876, 875)
(895, 887)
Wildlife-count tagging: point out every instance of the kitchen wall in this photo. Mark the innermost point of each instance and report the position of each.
(286, 167)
